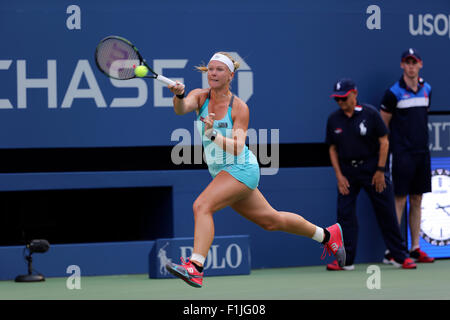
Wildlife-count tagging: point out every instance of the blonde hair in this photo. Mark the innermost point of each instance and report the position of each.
(204, 68)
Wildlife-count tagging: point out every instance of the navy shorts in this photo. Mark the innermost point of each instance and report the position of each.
(411, 173)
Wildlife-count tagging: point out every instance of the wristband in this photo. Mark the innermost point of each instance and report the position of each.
(382, 169)
(180, 96)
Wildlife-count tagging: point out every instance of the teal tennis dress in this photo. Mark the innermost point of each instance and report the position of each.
(243, 167)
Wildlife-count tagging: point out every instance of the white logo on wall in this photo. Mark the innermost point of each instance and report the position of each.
(216, 258)
(244, 77)
(83, 70)
(163, 260)
(428, 24)
(438, 131)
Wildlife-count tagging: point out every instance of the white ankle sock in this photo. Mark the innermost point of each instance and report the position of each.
(198, 257)
(319, 235)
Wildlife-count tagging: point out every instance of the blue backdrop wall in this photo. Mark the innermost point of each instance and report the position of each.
(292, 52)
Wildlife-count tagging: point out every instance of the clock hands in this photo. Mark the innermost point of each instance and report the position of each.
(443, 208)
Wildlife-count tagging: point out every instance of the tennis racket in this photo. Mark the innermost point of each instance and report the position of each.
(117, 58)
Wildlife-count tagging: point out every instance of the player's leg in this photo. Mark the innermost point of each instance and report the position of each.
(257, 209)
(222, 191)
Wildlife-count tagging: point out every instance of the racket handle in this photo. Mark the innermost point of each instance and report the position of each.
(165, 80)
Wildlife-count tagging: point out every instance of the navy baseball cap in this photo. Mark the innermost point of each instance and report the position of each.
(411, 53)
(343, 87)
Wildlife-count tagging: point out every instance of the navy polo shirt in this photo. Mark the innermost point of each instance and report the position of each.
(356, 138)
(409, 122)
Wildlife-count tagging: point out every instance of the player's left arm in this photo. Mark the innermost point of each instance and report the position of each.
(240, 116)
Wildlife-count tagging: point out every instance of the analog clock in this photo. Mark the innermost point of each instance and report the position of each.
(435, 223)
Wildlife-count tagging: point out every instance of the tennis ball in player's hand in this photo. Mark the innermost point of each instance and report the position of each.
(141, 71)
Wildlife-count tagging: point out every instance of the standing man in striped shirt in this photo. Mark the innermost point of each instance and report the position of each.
(404, 109)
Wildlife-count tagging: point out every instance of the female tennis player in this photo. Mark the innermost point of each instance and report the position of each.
(235, 171)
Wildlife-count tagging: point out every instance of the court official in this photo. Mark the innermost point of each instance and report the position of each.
(358, 147)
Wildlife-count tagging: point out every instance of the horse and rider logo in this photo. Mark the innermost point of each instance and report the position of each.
(163, 260)
(228, 255)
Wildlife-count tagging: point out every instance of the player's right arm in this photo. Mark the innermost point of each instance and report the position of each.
(187, 104)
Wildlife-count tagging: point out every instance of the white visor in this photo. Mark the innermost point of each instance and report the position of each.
(224, 59)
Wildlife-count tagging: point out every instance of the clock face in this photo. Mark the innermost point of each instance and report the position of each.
(435, 223)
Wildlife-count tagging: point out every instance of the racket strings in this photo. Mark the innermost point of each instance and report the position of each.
(117, 58)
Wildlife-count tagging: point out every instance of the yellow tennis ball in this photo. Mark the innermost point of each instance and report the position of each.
(141, 71)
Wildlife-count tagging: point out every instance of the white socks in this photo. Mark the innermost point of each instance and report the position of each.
(319, 235)
(198, 257)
